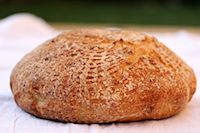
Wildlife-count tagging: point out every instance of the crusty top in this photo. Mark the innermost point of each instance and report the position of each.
(103, 69)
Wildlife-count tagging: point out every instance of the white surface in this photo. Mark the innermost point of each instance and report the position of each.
(20, 33)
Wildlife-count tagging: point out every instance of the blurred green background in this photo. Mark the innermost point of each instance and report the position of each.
(143, 12)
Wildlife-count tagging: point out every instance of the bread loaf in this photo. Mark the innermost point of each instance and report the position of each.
(102, 76)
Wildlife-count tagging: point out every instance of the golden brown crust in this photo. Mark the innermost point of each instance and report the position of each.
(101, 76)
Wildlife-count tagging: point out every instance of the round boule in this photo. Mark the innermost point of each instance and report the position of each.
(102, 76)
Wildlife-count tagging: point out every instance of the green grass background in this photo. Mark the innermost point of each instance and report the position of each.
(109, 13)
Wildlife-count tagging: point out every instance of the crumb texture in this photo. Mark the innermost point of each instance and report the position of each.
(102, 76)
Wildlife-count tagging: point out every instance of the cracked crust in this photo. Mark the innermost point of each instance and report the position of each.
(101, 76)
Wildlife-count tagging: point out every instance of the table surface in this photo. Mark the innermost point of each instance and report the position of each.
(16, 40)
